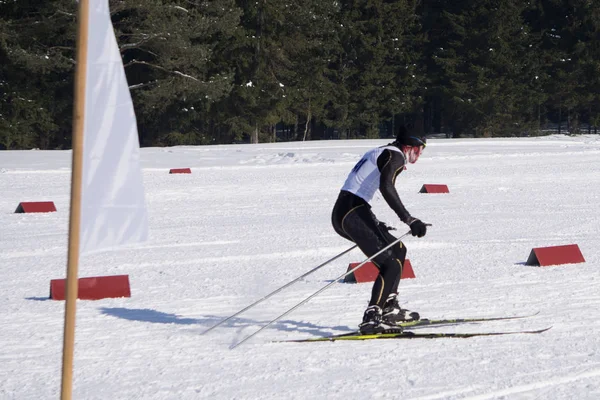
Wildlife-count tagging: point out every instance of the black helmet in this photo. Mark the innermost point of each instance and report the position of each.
(406, 139)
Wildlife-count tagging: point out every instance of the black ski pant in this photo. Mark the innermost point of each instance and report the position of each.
(352, 219)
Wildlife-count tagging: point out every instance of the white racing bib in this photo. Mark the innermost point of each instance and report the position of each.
(364, 178)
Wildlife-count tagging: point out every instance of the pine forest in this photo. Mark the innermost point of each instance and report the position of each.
(238, 71)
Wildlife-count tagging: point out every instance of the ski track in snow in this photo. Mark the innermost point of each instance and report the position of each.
(250, 218)
(538, 386)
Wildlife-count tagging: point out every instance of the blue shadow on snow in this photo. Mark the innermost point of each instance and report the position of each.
(37, 298)
(148, 315)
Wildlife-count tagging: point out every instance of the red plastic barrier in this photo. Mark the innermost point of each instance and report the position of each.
(555, 255)
(180, 171)
(369, 272)
(429, 188)
(35, 207)
(96, 288)
(407, 271)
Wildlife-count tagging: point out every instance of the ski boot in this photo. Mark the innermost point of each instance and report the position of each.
(393, 314)
(373, 322)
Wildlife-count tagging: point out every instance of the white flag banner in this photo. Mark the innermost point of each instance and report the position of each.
(113, 210)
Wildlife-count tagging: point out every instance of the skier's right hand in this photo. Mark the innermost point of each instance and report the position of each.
(418, 228)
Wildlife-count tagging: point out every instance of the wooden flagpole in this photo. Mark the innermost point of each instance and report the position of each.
(76, 188)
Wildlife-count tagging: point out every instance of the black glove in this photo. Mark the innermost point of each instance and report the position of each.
(418, 228)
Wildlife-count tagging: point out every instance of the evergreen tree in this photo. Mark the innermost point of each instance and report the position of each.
(483, 66)
(376, 68)
(308, 43)
(256, 102)
(589, 56)
(570, 31)
(168, 53)
(37, 52)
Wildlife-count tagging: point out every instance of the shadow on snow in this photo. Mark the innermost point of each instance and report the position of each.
(158, 317)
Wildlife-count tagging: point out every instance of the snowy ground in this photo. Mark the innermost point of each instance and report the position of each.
(250, 218)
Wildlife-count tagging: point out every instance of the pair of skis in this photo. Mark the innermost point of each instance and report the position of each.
(405, 334)
(397, 334)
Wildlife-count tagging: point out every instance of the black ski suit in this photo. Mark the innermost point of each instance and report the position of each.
(353, 219)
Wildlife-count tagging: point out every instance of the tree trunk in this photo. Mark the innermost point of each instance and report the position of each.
(559, 117)
(296, 134)
(308, 118)
(590, 118)
(254, 136)
(539, 118)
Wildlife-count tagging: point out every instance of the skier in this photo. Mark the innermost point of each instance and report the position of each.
(353, 219)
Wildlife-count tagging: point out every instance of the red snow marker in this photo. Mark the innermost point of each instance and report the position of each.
(407, 270)
(369, 272)
(96, 288)
(35, 207)
(180, 171)
(429, 188)
(555, 255)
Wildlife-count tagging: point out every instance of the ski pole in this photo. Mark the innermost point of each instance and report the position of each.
(280, 289)
(321, 290)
